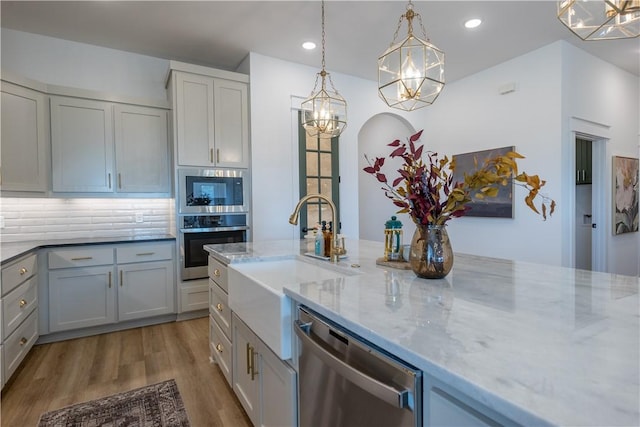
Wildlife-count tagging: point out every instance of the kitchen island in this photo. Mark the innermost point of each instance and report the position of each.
(513, 341)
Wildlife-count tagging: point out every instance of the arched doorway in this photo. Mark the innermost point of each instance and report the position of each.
(373, 207)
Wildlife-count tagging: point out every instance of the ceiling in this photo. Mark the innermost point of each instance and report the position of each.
(221, 33)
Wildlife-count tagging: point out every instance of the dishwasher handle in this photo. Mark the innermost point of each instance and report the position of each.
(382, 391)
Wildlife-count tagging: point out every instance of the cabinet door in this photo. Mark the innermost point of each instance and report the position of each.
(145, 290)
(245, 385)
(278, 390)
(81, 297)
(81, 145)
(195, 121)
(231, 123)
(142, 149)
(24, 129)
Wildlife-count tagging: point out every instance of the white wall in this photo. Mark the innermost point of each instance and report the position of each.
(472, 115)
(597, 92)
(78, 65)
(276, 86)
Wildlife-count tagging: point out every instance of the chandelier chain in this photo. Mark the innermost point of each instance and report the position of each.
(323, 36)
(409, 16)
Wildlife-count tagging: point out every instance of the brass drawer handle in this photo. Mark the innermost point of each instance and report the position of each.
(23, 341)
(219, 348)
(23, 271)
(216, 272)
(23, 302)
(81, 258)
(219, 307)
(145, 253)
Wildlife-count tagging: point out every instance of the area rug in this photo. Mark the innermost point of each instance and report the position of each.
(157, 405)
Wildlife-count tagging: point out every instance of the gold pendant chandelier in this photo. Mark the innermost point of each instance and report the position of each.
(410, 72)
(601, 19)
(324, 112)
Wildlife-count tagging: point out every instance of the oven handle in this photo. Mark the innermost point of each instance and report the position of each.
(385, 392)
(205, 230)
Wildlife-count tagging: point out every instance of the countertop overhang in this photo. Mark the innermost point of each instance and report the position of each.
(539, 344)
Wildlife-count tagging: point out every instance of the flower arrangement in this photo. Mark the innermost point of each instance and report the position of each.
(427, 192)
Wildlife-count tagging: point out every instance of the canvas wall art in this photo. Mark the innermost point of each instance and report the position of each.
(625, 195)
(496, 207)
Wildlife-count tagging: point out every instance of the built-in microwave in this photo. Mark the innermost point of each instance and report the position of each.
(213, 190)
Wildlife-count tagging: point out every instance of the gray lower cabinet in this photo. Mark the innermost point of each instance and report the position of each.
(264, 384)
(18, 312)
(93, 286)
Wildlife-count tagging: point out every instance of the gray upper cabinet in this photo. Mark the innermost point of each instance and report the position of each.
(25, 124)
(102, 147)
(211, 120)
(142, 149)
(81, 145)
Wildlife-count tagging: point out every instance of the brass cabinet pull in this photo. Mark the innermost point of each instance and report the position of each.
(121, 280)
(22, 303)
(23, 271)
(218, 155)
(23, 341)
(253, 367)
(219, 307)
(109, 280)
(109, 179)
(216, 272)
(248, 359)
(119, 180)
(211, 155)
(81, 258)
(145, 253)
(219, 348)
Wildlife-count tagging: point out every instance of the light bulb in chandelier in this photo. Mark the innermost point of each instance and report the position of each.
(410, 79)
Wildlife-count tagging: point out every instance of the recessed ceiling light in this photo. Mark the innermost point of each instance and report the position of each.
(473, 23)
(308, 45)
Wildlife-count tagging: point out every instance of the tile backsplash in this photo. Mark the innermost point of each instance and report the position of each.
(47, 218)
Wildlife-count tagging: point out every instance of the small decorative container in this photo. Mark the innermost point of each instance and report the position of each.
(393, 240)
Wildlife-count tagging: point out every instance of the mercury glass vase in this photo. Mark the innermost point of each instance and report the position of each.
(431, 256)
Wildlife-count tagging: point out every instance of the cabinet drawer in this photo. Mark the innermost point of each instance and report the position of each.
(219, 307)
(17, 305)
(17, 272)
(19, 343)
(220, 348)
(80, 257)
(218, 272)
(142, 253)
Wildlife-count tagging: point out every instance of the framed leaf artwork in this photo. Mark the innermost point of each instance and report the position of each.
(625, 195)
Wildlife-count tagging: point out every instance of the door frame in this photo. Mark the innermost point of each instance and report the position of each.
(599, 135)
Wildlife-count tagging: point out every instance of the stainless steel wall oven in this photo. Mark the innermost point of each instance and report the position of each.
(199, 230)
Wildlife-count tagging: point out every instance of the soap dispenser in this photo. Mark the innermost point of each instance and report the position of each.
(319, 244)
(328, 240)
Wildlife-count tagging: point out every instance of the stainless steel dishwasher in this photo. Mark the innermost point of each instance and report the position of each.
(345, 382)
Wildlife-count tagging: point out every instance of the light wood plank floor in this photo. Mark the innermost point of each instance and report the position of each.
(67, 372)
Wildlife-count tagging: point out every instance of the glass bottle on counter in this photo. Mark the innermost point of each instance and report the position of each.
(328, 236)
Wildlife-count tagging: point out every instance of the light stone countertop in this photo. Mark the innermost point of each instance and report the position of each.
(538, 344)
(12, 250)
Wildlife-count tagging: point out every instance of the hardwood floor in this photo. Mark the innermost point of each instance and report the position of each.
(67, 372)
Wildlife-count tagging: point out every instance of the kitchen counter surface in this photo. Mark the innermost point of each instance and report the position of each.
(12, 250)
(541, 345)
